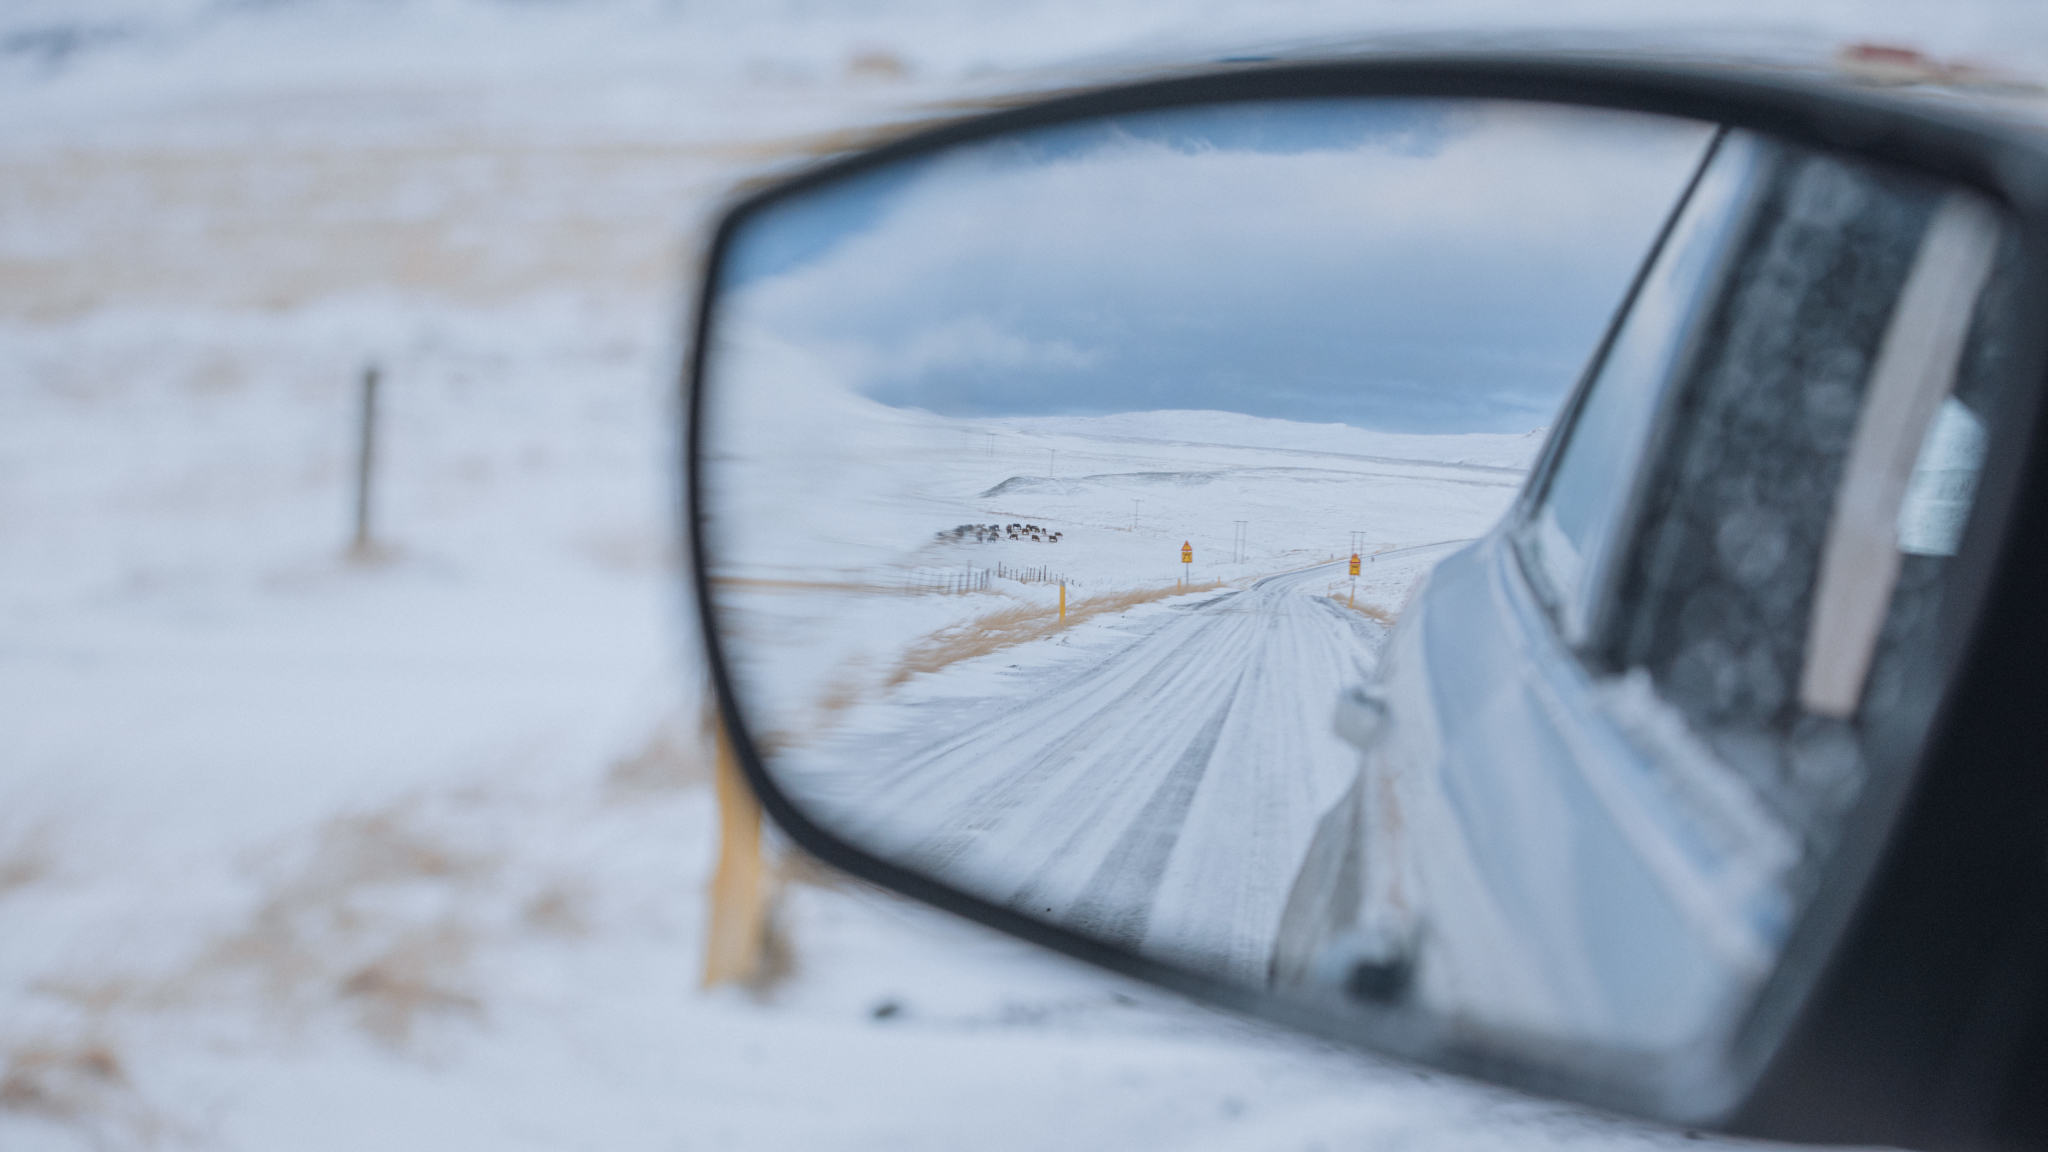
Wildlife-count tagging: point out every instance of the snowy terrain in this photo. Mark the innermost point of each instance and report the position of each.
(1150, 778)
(826, 505)
(1147, 768)
(297, 853)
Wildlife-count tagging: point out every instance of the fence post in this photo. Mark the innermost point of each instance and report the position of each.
(361, 547)
(736, 939)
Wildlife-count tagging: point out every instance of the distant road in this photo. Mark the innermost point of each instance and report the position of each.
(1157, 792)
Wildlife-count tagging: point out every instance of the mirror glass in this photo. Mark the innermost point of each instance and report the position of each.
(1464, 564)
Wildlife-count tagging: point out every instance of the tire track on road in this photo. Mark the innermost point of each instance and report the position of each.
(1159, 795)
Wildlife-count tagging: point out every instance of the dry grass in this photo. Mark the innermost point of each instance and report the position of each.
(61, 1081)
(26, 856)
(849, 587)
(1005, 627)
(791, 867)
(876, 64)
(374, 919)
(418, 975)
(377, 920)
(1373, 611)
(677, 756)
(82, 1084)
(778, 953)
(277, 225)
(849, 686)
(799, 867)
(561, 909)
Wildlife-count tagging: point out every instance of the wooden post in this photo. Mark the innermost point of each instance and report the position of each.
(1063, 601)
(736, 932)
(366, 461)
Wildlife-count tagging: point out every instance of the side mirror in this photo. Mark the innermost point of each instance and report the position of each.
(1523, 565)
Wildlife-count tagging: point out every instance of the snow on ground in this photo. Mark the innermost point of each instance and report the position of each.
(1147, 768)
(299, 853)
(826, 506)
(1150, 778)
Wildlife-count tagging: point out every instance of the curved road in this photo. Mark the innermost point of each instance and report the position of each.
(1154, 784)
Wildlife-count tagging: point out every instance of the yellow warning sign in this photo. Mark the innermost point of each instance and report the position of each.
(1187, 552)
(1354, 563)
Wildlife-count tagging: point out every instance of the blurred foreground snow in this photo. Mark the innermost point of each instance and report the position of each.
(300, 854)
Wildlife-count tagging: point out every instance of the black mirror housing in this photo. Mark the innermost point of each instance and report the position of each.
(1909, 1002)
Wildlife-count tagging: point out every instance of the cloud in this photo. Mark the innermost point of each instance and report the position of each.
(1405, 265)
(968, 343)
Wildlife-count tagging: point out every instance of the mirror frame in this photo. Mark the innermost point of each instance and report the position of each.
(1911, 1003)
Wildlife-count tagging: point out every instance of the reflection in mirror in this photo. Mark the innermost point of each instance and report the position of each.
(1058, 489)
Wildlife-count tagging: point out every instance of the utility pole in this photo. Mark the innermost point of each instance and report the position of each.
(1052, 458)
(1238, 547)
(1134, 515)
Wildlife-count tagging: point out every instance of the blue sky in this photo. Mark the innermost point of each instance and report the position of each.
(1404, 265)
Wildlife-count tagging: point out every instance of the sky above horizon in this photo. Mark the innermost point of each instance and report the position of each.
(1401, 265)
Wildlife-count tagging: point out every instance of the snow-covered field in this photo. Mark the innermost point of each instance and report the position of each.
(297, 853)
(1146, 768)
(827, 507)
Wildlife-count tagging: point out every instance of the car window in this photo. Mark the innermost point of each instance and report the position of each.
(1793, 627)
(1586, 493)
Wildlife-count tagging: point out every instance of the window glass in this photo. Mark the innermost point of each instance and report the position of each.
(1721, 598)
(1588, 490)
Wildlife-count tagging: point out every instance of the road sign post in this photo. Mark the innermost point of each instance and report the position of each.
(1187, 562)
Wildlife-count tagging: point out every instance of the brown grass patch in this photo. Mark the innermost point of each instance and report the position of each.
(82, 1084)
(418, 975)
(60, 1081)
(791, 866)
(876, 64)
(675, 757)
(278, 226)
(1371, 610)
(26, 856)
(1005, 627)
(843, 691)
(849, 587)
(375, 919)
(561, 909)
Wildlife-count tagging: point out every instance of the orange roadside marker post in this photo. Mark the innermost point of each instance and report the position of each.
(1352, 600)
(1187, 560)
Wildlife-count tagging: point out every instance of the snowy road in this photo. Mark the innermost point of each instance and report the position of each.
(1155, 786)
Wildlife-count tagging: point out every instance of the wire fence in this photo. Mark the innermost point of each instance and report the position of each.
(946, 581)
(1031, 575)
